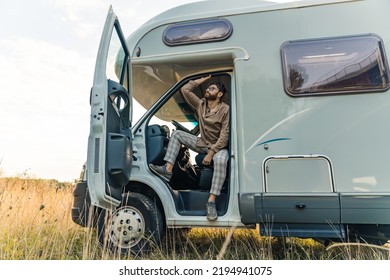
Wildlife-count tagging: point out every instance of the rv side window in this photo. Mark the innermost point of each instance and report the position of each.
(335, 65)
(197, 32)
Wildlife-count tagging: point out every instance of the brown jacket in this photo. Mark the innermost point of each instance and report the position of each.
(214, 127)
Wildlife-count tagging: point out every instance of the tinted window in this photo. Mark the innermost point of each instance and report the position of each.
(336, 65)
(197, 32)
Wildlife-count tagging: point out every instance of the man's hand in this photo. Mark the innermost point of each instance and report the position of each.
(208, 158)
(202, 80)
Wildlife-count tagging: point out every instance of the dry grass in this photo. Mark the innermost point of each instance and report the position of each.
(35, 220)
(36, 224)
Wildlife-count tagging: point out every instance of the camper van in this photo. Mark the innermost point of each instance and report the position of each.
(309, 146)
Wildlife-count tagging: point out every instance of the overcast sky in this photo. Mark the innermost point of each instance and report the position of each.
(47, 57)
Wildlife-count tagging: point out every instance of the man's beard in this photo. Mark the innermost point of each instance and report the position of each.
(210, 97)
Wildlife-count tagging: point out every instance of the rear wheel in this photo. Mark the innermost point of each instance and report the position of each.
(133, 227)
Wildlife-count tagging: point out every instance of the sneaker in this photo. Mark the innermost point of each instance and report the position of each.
(211, 211)
(161, 171)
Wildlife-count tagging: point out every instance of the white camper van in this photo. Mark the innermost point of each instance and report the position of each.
(308, 89)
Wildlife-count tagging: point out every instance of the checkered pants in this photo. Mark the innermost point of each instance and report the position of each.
(220, 159)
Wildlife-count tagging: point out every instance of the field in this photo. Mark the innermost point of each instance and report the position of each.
(36, 224)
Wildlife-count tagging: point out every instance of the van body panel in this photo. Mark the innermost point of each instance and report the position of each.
(365, 208)
(293, 208)
(304, 230)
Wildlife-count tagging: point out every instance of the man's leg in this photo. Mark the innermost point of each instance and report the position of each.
(177, 139)
(220, 160)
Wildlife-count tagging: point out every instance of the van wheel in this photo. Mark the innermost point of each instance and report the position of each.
(133, 227)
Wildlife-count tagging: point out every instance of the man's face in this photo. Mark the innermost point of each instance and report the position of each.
(211, 93)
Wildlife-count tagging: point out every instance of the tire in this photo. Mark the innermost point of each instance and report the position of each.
(133, 227)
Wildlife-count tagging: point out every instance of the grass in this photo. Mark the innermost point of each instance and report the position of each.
(36, 224)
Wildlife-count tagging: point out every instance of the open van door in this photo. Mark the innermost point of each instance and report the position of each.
(109, 156)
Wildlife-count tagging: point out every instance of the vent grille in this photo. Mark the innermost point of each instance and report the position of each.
(97, 155)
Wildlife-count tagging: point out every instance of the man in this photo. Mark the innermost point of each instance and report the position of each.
(213, 117)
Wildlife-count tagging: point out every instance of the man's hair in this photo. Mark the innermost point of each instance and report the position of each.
(220, 87)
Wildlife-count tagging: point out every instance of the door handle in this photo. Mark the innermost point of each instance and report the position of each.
(300, 205)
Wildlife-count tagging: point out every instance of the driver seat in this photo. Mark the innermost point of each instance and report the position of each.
(206, 174)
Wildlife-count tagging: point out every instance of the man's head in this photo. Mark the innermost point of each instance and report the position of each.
(214, 91)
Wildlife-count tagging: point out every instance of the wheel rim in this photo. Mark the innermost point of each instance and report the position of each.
(127, 227)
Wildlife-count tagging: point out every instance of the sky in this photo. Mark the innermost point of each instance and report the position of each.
(47, 58)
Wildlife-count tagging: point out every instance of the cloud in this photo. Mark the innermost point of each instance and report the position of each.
(46, 72)
(37, 70)
(44, 109)
(84, 17)
(47, 59)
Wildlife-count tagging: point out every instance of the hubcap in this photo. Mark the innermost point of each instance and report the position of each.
(127, 227)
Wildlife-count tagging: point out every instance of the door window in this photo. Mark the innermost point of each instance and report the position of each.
(117, 60)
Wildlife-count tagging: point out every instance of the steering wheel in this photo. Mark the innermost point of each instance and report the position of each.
(180, 127)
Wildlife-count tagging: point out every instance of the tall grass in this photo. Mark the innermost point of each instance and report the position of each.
(34, 220)
(36, 224)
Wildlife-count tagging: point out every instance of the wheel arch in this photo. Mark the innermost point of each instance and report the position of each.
(145, 189)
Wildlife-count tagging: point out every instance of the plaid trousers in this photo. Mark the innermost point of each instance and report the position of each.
(220, 159)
